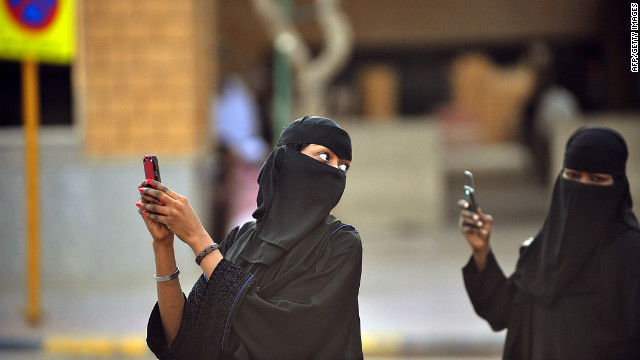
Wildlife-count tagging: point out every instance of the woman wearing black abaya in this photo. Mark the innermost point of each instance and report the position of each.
(282, 287)
(575, 293)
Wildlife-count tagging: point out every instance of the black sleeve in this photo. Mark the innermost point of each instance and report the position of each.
(489, 291)
(205, 317)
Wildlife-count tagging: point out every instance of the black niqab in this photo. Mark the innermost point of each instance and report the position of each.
(297, 192)
(581, 217)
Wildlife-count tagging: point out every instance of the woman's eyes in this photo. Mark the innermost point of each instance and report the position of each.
(598, 179)
(327, 158)
(324, 156)
(572, 175)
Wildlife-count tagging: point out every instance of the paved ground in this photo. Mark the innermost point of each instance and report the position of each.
(412, 298)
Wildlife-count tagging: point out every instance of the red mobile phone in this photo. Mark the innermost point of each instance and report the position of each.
(151, 168)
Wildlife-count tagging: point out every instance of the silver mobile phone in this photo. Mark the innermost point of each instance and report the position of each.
(470, 191)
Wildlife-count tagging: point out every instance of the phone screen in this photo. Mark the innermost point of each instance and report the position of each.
(151, 168)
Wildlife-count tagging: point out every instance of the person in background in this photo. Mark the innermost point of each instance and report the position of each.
(284, 286)
(241, 150)
(575, 293)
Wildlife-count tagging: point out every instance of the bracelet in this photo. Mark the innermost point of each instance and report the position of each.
(208, 250)
(168, 277)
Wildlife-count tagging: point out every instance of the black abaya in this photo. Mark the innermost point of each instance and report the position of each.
(288, 285)
(575, 293)
(596, 318)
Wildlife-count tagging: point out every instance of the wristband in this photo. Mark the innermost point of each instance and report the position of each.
(168, 277)
(208, 250)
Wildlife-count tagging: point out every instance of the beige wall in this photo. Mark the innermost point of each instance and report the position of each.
(145, 69)
(384, 23)
(435, 22)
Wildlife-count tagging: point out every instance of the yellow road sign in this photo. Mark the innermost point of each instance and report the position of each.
(37, 30)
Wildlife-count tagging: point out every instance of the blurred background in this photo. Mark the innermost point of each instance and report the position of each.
(426, 88)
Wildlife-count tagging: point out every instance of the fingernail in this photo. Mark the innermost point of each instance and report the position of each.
(144, 213)
(149, 181)
(480, 223)
(161, 203)
(141, 190)
(138, 204)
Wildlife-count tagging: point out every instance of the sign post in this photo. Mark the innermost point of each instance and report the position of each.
(31, 114)
(33, 31)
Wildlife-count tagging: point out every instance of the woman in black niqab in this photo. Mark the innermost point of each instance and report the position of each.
(582, 217)
(575, 293)
(288, 285)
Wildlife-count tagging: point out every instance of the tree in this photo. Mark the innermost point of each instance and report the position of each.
(312, 75)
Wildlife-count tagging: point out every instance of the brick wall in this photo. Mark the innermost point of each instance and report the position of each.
(146, 73)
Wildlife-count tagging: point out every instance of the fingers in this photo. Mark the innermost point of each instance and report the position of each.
(470, 218)
(153, 212)
(486, 218)
(463, 204)
(155, 192)
(162, 219)
(152, 208)
(159, 186)
(474, 224)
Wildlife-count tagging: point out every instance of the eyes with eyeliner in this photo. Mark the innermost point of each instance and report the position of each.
(588, 178)
(326, 158)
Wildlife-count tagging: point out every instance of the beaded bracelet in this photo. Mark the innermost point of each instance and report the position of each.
(208, 250)
(168, 277)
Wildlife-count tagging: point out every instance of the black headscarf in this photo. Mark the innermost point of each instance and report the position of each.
(582, 218)
(297, 192)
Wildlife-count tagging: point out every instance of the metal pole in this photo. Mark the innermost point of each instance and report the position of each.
(282, 84)
(31, 118)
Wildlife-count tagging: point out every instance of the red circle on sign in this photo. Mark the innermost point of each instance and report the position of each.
(33, 15)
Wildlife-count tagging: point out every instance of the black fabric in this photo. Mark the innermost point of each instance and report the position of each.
(580, 217)
(303, 306)
(302, 302)
(597, 318)
(596, 149)
(295, 191)
(294, 196)
(204, 317)
(575, 293)
(320, 131)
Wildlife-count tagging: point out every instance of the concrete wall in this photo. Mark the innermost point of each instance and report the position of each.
(90, 232)
(396, 182)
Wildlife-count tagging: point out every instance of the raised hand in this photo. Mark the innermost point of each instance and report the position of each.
(476, 228)
(163, 209)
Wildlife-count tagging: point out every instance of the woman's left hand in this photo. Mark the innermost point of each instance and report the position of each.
(173, 210)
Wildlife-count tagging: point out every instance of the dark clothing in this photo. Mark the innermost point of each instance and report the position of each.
(575, 292)
(299, 307)
(288, 288)
(597, 317)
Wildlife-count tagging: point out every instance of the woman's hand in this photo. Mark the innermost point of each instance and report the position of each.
(160, 233)
(476, 227)
(165, 212)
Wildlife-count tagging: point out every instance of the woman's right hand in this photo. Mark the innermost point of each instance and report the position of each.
(476, 228)
(173, 211)
(160, 233)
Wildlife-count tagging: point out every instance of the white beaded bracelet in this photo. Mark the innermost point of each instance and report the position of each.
(168, 277)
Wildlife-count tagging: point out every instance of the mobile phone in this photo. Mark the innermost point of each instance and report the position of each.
(151, 167)
(470, 191)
